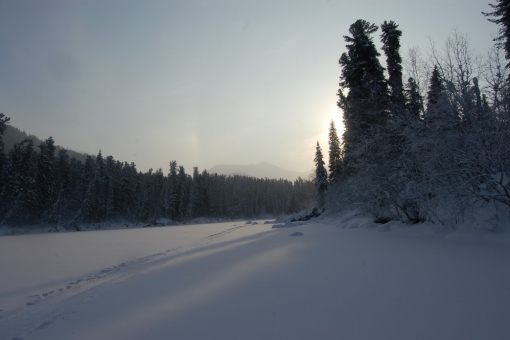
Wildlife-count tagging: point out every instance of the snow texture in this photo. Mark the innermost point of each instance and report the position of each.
(246, 281)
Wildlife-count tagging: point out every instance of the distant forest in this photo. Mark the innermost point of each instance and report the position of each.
(45, 184)
(434, 147)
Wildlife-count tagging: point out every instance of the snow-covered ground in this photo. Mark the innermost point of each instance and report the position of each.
(340, 279)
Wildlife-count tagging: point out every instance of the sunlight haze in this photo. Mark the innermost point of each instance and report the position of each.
(201, 82)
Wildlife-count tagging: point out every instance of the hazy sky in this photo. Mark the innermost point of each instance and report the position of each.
(201, 82)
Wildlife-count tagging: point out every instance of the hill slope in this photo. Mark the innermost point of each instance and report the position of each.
(14, 135)
(261, 170)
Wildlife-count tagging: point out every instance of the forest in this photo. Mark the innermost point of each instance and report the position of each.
(42, 186)
(433, 147)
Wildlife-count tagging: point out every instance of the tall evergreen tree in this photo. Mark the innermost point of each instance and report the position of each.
(335, 154)
(436, 100)
(391, 46)
(99, 184)
(62, 187)
(183, 191)
(75, 189)
(111, 184)
(414, 101)
(87, 209)
(45, 175)
(195, 204)
(127, 190)
(205, 193)
(501, 15)
(145, 202)
(20, 200)
(321, 176)
(157, 209)
(3, 125)
(173, 194)
(365, 106)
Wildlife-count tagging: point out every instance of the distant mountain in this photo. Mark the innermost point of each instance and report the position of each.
(13, 135)
(261, 170)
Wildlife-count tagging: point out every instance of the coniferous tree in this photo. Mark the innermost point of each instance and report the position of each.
(20, 200)
(99, 188)
(127, 190)
(110, 181)
(194, 207)
(501, 16)
(435, 96)
(183, 192)
(365, 106)
(145, 201)
(75, 189)
(391, 46)
(414, 101)
(59, 210)
(321, 176)
(205, 193)
(45, 175)
(173, 194)
(335, 154)
(86, 212)
(3, 125)
(158, 207)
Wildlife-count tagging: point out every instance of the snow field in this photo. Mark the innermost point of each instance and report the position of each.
(256, 282)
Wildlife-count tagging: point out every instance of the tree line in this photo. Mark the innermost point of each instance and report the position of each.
(48, 187)
(434, 147)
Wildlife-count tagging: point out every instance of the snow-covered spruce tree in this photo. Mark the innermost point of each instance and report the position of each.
(205, 194)
(364, 99)
(365, 105)
(146, 198)
(414, 100)
(46, 191)
(195, 204)
(100, 183)
(20, 198)
(75, 190)
(3, 125)
(86, 212)
(3, 160)
(111, 182)
(93, 207)
(172, 195)
(60, 209)
(394, 181)
(390, 38)
(160, 195)
(434, 149)
(321, 177)
(183, 185)
(501, 16)
(335, 154)
(437, 106)
(405, 181)
(127, 190)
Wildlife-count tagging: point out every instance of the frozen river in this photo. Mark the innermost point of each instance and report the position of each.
(239, 281)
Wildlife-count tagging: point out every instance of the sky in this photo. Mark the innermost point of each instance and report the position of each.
(200, 82)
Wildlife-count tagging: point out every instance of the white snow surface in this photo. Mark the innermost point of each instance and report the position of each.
(342, 279)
